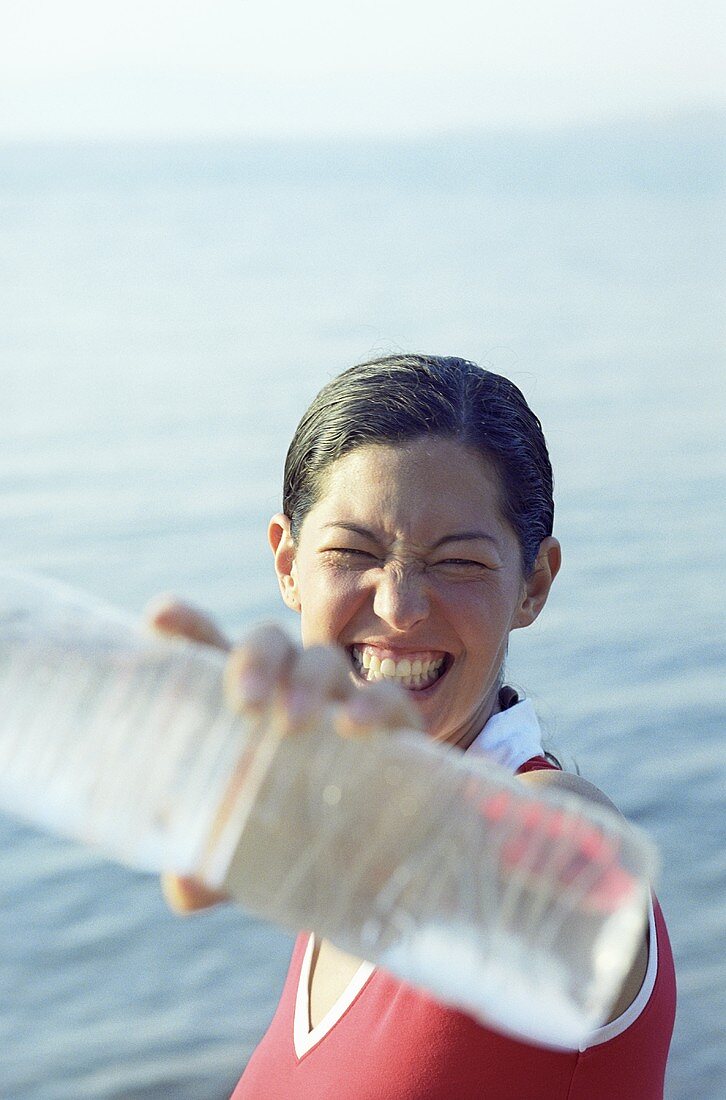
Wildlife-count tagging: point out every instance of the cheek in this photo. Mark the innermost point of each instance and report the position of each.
(483, 619)
(470, 605)
(329, 600)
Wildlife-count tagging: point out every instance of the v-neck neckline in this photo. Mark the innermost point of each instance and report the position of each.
(511, 736)
(306, 1037)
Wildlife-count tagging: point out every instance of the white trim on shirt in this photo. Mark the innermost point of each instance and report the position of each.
(510, 737)
(623, 1022)
(304, 1036)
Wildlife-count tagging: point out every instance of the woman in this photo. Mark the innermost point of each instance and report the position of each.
(416, 535)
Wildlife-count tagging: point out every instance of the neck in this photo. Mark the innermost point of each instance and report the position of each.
(500, 699)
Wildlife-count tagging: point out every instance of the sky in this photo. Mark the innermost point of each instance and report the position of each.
(180, 68)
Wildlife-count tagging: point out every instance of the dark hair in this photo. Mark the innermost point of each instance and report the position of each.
(402, 397)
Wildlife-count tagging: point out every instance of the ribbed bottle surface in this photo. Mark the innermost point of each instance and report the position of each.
(522, 908)
(109, 734)
(450, 873)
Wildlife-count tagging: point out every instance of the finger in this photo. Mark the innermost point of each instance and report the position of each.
(377, 706)
(186, 895)
(321, 675)
(167, 615)
(258, 668)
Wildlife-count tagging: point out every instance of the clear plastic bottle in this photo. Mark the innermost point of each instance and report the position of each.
(523, 909)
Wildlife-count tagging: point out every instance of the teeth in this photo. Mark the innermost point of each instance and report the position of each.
(410, 674)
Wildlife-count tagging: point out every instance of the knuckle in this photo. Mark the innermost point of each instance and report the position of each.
(395, 706)
(265, 645)
(258, 666)
(321, 665)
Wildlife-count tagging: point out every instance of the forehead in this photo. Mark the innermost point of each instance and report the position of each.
(420, 488)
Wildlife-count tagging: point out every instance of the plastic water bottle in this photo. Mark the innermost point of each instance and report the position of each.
(523, 909)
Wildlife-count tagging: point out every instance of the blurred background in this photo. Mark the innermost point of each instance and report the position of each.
(206, 211)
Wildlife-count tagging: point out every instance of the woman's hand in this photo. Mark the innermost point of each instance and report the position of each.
(166, 615)
(305, 685)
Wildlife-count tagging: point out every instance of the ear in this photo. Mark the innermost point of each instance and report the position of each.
(283, 549)
(538, 583)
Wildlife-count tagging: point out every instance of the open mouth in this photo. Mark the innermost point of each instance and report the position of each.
(416, 672)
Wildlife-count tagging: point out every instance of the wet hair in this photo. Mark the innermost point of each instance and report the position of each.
(401, 398)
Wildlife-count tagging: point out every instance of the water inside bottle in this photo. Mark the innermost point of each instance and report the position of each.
(527, 997)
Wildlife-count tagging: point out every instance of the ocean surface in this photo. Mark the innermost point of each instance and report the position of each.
(167, 312)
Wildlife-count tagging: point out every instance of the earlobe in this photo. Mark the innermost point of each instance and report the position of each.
(283, 549)
(538, 584)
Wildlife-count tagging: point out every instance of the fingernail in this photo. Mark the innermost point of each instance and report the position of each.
(298, 708)
(158, 609)
(361, 709)
(251, 689)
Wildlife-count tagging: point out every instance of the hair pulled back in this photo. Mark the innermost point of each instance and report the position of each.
(400, 398)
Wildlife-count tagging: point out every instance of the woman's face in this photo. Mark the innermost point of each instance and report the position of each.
(407, 562)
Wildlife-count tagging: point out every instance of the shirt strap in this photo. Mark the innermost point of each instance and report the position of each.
(538, 764)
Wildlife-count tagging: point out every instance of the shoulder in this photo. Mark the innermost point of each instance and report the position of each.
(575, 784)
(568, 781)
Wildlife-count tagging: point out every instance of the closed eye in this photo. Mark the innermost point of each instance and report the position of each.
(351, 553)
(468, 565)
(462, 561)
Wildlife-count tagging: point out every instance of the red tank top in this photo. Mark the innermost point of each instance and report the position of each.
(394, 1042)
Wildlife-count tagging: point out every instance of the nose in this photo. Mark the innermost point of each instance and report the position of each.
(400, 598)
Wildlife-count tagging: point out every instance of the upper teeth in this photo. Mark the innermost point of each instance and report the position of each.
(416, 673)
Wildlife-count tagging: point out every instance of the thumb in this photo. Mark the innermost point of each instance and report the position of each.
(186, 895)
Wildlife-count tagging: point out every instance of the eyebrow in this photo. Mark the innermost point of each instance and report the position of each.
(459, 536)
